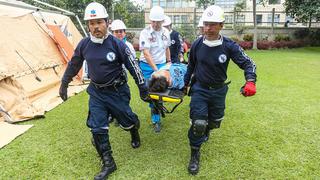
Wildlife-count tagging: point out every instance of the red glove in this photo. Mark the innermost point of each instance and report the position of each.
(249, 89)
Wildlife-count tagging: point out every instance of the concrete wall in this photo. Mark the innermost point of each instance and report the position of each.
(262, 32)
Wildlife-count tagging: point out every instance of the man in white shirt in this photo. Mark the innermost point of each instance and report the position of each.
(154, 45)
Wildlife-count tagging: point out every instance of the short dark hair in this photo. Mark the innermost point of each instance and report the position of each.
(158, 84)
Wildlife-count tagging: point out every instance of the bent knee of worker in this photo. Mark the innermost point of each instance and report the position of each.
(199, 125)
(195, 140)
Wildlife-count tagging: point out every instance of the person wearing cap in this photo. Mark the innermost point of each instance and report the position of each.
(118, 29)
(208, 63)
(108, 90)
(176, 47)
(154, 45)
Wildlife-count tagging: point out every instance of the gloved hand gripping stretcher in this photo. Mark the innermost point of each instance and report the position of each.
(170, 96)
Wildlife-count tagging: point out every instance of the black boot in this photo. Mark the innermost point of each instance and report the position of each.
(109, 166)
(193, 167)
(103, 147)
(135, 138)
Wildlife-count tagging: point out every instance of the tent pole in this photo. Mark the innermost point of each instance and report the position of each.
(65, 11)
(84, 31)
(54, 7)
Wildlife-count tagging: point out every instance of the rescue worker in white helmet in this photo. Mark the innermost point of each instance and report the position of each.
(176, 47)
(154, 45)
(108, 90)
(118, 29)
(208, 63)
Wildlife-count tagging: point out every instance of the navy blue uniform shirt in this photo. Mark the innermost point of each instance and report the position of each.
(175, 47)
(209, 64)
(104, 61)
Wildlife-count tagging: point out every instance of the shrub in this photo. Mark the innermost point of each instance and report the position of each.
(280, 37)
(235, 38)
(278, 44)
(314, 37)
(264, 45)
(264, 37)
(301, 33)
(248, 37)
(246, 45)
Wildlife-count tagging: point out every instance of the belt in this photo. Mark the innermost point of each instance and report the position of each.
(215, 85)
(114, 85)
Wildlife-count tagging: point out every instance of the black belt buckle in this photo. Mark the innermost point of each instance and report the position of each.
(97, 86)
(217, 85)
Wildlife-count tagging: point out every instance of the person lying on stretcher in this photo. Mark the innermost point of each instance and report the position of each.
(169, 76)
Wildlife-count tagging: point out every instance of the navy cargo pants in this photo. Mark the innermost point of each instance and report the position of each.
(106, 101)
(206, 104)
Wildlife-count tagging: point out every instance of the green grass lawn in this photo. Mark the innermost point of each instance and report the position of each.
(272, 135)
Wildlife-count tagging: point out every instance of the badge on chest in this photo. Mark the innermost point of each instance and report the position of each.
(222, 58)
(111, 56)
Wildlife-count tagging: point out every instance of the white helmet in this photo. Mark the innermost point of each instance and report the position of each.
(95, 10)
(167, 21)
(213, 14)
(117, 24)
(200, 24)
(156, 14)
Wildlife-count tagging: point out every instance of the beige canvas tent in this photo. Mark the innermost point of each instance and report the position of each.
(34, 49)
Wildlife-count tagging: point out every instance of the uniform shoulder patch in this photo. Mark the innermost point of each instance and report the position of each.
(128, 52)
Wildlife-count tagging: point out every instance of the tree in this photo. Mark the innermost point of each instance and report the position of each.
(303, 11)
(238, 7)
(132, 15)
(187, 31)
(254, 46)
(75, 6)
(204, 3)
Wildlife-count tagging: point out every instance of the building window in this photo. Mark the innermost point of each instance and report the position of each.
(259, 2)
(274, 1)
(259, 18)
(184, 18)
(176, 19)
(162, 3)
(170, 3)
(276, 18)
(228, 19)
(155, 3)
(185, 3)
(177, 3)
(225, 3)
(240, 19)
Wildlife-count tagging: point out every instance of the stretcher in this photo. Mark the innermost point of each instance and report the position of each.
(170, 96)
